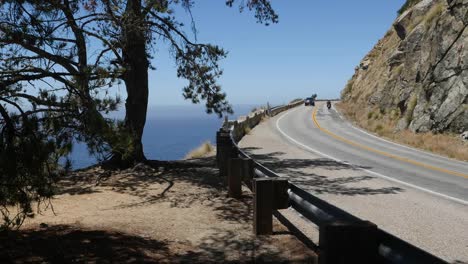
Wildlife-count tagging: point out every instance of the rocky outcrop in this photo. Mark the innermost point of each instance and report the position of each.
(419, 68)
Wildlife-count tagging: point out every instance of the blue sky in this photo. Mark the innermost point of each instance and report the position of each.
(313, 49)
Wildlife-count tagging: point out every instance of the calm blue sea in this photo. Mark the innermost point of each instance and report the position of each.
(170, 132)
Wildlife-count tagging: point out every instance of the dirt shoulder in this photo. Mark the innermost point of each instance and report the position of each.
(173, 212)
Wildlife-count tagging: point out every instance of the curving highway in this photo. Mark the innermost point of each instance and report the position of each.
(418, 196)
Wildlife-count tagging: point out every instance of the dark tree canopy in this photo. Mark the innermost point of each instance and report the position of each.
(59, 61)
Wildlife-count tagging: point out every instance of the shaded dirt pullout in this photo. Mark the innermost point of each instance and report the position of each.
(166, 212)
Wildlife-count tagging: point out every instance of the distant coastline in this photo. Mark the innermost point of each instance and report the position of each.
(170, 132)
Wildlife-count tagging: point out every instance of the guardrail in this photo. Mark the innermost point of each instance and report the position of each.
(343, 237)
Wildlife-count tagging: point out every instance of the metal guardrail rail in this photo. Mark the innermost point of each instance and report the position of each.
(391, 248)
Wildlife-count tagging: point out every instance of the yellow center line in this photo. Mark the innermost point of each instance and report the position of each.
(413, 162)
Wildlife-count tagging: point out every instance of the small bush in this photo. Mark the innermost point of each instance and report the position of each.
(369, 115)
(394, 114)
(379, 129)
(201, 151)
(247, 130)
(413, 101)
(397, 70)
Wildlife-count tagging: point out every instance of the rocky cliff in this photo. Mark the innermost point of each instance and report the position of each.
(417, 74)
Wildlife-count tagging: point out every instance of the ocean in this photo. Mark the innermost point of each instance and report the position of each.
(170, 132)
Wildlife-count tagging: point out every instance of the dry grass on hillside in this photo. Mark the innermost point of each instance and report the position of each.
(202, 151)
(383, 124)
(434, 13)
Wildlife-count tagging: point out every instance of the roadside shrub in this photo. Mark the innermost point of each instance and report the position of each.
(394, 114)
(200, 151)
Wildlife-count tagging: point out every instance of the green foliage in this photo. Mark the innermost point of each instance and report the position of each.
(51, 94)
(28, 165)
(264, 13)
(54, 89)
(407, 5)
(199, 65)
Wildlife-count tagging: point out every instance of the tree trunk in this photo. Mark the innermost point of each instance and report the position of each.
(136, 80)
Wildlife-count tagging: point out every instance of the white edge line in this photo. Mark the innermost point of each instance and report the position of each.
(398, 144)
(366, 170)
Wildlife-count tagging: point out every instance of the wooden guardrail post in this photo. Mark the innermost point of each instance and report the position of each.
(268, 195)
(248, 173)
(263, 206)
(344, 242)
(225, 150)
(281, 197)
(222, 138)
(234, 179)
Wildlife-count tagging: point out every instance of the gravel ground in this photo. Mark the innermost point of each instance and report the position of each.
(432, 223)
(178, 213)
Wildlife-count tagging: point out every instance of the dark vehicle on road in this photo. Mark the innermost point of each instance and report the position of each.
(328, 104)
(309, 101)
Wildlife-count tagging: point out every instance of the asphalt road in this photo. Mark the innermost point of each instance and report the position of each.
(418, 196)
(326, 131)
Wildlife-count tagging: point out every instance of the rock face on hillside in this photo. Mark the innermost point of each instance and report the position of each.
(419, 70)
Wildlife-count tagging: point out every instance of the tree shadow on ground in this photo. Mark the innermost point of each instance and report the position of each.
(323, 185)
(274, 162)
(227, 247)
(68, 244)
(296, 171)
(138, 180)
(164, 181)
